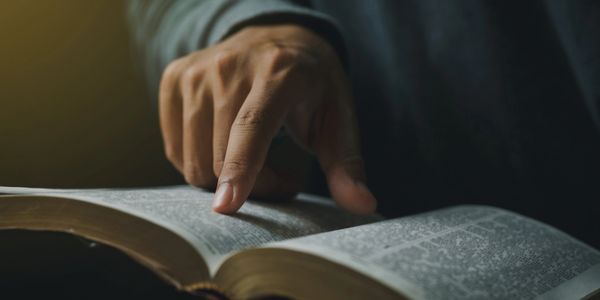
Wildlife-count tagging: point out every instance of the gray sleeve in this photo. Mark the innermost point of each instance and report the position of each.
(164, 30)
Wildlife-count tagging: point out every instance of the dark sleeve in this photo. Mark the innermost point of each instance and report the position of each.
(164, 30)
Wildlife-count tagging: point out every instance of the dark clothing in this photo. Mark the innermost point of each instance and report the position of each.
(494, 102)
(479, 102)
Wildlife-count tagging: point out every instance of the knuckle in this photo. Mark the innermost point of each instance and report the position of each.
(170, 76)
(191, 75)
(353, 164)
(280, 58)
(173, 69)
(236, 166)
(250, 119)
(223, 60)
(287, 63)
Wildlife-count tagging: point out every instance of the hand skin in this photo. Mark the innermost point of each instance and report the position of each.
(220, 107)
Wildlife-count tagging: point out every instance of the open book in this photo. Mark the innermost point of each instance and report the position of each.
(309, 249)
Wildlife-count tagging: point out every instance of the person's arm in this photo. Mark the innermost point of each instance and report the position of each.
(164, 30)
(238, 71)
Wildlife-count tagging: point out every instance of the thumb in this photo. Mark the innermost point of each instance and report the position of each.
(348, 187)
(337, 148)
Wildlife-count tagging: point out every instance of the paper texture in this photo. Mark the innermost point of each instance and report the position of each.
(187, 211)
(465, 252)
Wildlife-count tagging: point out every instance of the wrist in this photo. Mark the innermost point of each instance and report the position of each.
(293, 36)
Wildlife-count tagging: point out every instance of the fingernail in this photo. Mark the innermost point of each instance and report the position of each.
(224, 195)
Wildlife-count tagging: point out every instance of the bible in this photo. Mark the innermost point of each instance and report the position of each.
(309, 249)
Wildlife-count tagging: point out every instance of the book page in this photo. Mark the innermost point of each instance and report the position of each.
(464, 252)
(187, 211)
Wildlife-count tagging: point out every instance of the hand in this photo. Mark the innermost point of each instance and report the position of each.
(221, 107)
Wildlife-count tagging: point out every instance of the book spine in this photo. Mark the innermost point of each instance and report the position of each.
(209, 290)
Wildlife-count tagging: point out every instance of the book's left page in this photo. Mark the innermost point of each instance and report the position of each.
(187, 212)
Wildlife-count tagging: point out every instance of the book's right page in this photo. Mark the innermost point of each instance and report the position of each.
(463, 252)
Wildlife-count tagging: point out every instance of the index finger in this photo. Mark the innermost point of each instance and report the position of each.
(255, 125)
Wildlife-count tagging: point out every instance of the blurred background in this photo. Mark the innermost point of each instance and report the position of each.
(74, 113)
(73, 110)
